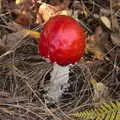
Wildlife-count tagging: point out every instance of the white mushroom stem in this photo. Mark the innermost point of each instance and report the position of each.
(58, 82)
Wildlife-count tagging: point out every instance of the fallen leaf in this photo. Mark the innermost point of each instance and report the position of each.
(64, 12)
(115, 38)
(24, 11)
(46, 11)
(25, 4)
(95, 44)
(105, 12)
(105, 20)
(116, 4)
(64, 5)
(100, 91)
(19, 2)
(25, 18)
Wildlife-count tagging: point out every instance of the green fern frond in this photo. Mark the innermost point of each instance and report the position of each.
(104, 112)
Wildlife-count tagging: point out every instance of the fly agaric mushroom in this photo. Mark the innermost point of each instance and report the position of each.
(62, 42)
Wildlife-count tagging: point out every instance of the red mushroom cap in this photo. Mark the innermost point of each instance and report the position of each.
(62, 40)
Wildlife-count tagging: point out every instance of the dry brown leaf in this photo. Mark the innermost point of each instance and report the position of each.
(46, 11)
(115, 38)
(19, 2)
(25, 18)
(105, 12)
(93, 48)
(105, 20)
(100, 91)
(64, 12)
(116, 4)
(100, 45)
(63, 5)
(95, 44)
(24, 11)
(25, 4)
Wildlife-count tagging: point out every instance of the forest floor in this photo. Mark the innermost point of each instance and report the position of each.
(24, 75)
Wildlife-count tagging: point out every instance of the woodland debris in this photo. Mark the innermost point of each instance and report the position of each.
(115, 38)
(46, 11)
(106, 22)
(95, 43)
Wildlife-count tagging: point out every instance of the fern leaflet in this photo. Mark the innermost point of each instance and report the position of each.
(104, 112)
